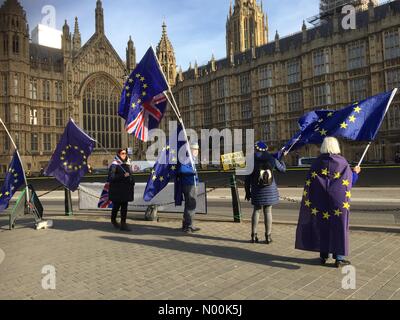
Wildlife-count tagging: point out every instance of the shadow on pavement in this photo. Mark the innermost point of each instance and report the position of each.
(224, 252)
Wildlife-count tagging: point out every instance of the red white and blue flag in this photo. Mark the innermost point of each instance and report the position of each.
(143, 100)
(105, 202)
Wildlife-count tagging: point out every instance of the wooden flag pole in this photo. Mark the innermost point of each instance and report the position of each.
(387, 109)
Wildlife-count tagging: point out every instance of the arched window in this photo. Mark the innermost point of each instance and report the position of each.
(100, 112)
(15, 44)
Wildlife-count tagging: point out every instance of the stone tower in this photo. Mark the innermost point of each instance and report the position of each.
(130, 56)
(246, 27)
(14, 32)
(166, 56)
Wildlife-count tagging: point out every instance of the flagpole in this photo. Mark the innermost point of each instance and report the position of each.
(19, 157)
(174, 106)
(387, 109)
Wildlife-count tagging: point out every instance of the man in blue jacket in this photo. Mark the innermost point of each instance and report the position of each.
(189, 180)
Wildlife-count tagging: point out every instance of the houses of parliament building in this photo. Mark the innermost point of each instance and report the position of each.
(265, 84)
(269, 84)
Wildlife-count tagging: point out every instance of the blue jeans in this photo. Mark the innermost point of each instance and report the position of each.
(337, 257)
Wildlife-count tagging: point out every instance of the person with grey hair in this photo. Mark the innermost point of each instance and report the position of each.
(324, 213)
(189, 181)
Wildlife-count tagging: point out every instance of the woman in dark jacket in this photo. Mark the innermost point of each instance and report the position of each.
(121, 188)
(262, 190)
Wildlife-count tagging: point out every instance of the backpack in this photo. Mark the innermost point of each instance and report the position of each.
(263, 174)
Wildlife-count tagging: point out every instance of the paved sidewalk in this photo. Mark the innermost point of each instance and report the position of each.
(156, 261)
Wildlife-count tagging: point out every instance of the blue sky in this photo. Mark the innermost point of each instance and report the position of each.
(195, 27)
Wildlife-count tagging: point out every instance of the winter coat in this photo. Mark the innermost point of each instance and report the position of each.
(264, 195)
(121, 187)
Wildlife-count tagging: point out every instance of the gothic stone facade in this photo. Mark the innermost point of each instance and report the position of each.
(41, 88)
(269, 87)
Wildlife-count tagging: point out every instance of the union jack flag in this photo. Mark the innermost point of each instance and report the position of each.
(143, 100)
(140, 124)
(104, 201)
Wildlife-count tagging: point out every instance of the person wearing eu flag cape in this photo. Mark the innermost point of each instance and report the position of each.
(323, 224)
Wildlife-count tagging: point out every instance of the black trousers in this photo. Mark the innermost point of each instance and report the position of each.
(124, 211)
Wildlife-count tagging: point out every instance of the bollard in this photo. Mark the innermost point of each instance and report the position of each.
(68, 203)
(237, 212)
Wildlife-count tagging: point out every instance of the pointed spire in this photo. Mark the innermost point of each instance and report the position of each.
(166, 56)
(99, 17)
(213, 65)
(304, 30)
(196, 69)
(130, 55)
(76, 39)
(230, 9)
(180, 74)
(277, 49)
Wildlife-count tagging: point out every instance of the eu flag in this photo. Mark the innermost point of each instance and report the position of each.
(358, 122)
(143, 102)
(13, 180)
(307, 124)
(166, 169)
(69, 162)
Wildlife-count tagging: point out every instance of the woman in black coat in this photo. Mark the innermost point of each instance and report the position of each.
(262, 190)
(121, 188)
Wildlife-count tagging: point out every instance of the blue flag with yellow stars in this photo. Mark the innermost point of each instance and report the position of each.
(13, 180)
(166, 169)
(325, 208)
(69, 162)
(307, 125)
(358, 122)
(143, 102)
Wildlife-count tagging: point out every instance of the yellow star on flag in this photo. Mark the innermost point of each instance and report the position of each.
(173, 168)
(344, 125)
(305, 193)
(307, 203)
(161, 179)
(145, 86)
(326, 216)
(346, 205)
(338, 212)
(138, 75)
(346, 182)
(144, 93)
(357, 109)
(314, 174)
(337, 175)
(323, 132)
(330, 114)
(154, 178)
(1, 195)
(139, 101)
(130, 80)
(142, 79)
(127, 88)
(348, 194)
(325, 172)
(308, 183)
(7, 193)
(352, 119)
(128, 94)
(314, 211)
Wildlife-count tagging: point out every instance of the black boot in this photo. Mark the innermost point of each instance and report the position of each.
(114, 220)
(254, 238)
(124, 226)
(268, 238)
